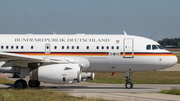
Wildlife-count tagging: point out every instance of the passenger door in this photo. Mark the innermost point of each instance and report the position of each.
(128, 50)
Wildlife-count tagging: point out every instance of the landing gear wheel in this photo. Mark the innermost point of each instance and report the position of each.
(15, 75)
(38, 83)
(33, 83)
(20, 84)
(129, 85)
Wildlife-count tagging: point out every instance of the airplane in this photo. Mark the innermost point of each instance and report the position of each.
(64, 59)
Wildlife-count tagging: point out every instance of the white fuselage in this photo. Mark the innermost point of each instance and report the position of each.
(96, 53)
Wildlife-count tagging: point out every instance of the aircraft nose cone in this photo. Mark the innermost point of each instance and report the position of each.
(173, 61)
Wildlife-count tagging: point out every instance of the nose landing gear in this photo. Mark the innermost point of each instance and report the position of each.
(128, 84)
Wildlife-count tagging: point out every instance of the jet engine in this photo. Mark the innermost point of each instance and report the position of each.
(8, 69)
(57, 73)
(87, 76)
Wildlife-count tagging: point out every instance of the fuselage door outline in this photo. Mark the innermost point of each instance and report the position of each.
(47, 48)
(128, 48)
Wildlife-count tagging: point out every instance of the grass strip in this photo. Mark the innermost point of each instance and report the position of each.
(39, 95)
(155, 77)
(6, 81)
(174, 91)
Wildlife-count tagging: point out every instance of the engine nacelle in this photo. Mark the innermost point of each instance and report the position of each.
(8, 69)
(57, 73)
(87, 76)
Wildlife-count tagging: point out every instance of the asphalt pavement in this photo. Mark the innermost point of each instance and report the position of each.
(140, 92)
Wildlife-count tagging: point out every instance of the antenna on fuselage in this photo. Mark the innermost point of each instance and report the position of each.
(54, 32)
(153, 35)
(125, 33)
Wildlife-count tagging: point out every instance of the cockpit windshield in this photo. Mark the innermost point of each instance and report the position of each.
(148, 47)
(153, 47)
(160, 47)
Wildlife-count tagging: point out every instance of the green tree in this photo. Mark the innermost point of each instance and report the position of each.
(178, 44)
(174, 41)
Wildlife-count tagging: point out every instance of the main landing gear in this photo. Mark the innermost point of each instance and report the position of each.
(22, 84)
(128, 84)
(16, 75)
(34, 83)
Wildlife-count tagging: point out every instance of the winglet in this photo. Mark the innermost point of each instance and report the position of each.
(125, 33)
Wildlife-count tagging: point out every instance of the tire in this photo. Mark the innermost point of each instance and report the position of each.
(20, 84)
(37, 84)
(129, 85)
(33, 83)
(15, 75)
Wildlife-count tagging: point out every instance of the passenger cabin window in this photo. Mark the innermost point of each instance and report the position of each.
(107, 47)
(55, 47)
(47, 47)
(11, 47)
(16, 47)
(62, 47)
(112, 47)
(102, 47)
(87, 47)
(22, 47)
(67, 47)
(117, 47)
(32, 47)
(72, 47)
(2, 47)
(6, 47)
(97, 47)
(148, 47)
(77, 47)
(154, 47)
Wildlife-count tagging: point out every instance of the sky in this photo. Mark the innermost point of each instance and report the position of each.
(136, 17)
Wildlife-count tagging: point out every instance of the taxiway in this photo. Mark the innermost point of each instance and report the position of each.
(140, 92)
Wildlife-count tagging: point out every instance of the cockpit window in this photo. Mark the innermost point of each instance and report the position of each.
(148, 47)
(154, 47)
(160, 47)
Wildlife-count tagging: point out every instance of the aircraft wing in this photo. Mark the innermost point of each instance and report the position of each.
(12, 56)
(12, 59)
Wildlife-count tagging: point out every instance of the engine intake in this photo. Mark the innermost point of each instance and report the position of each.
(57, 73)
